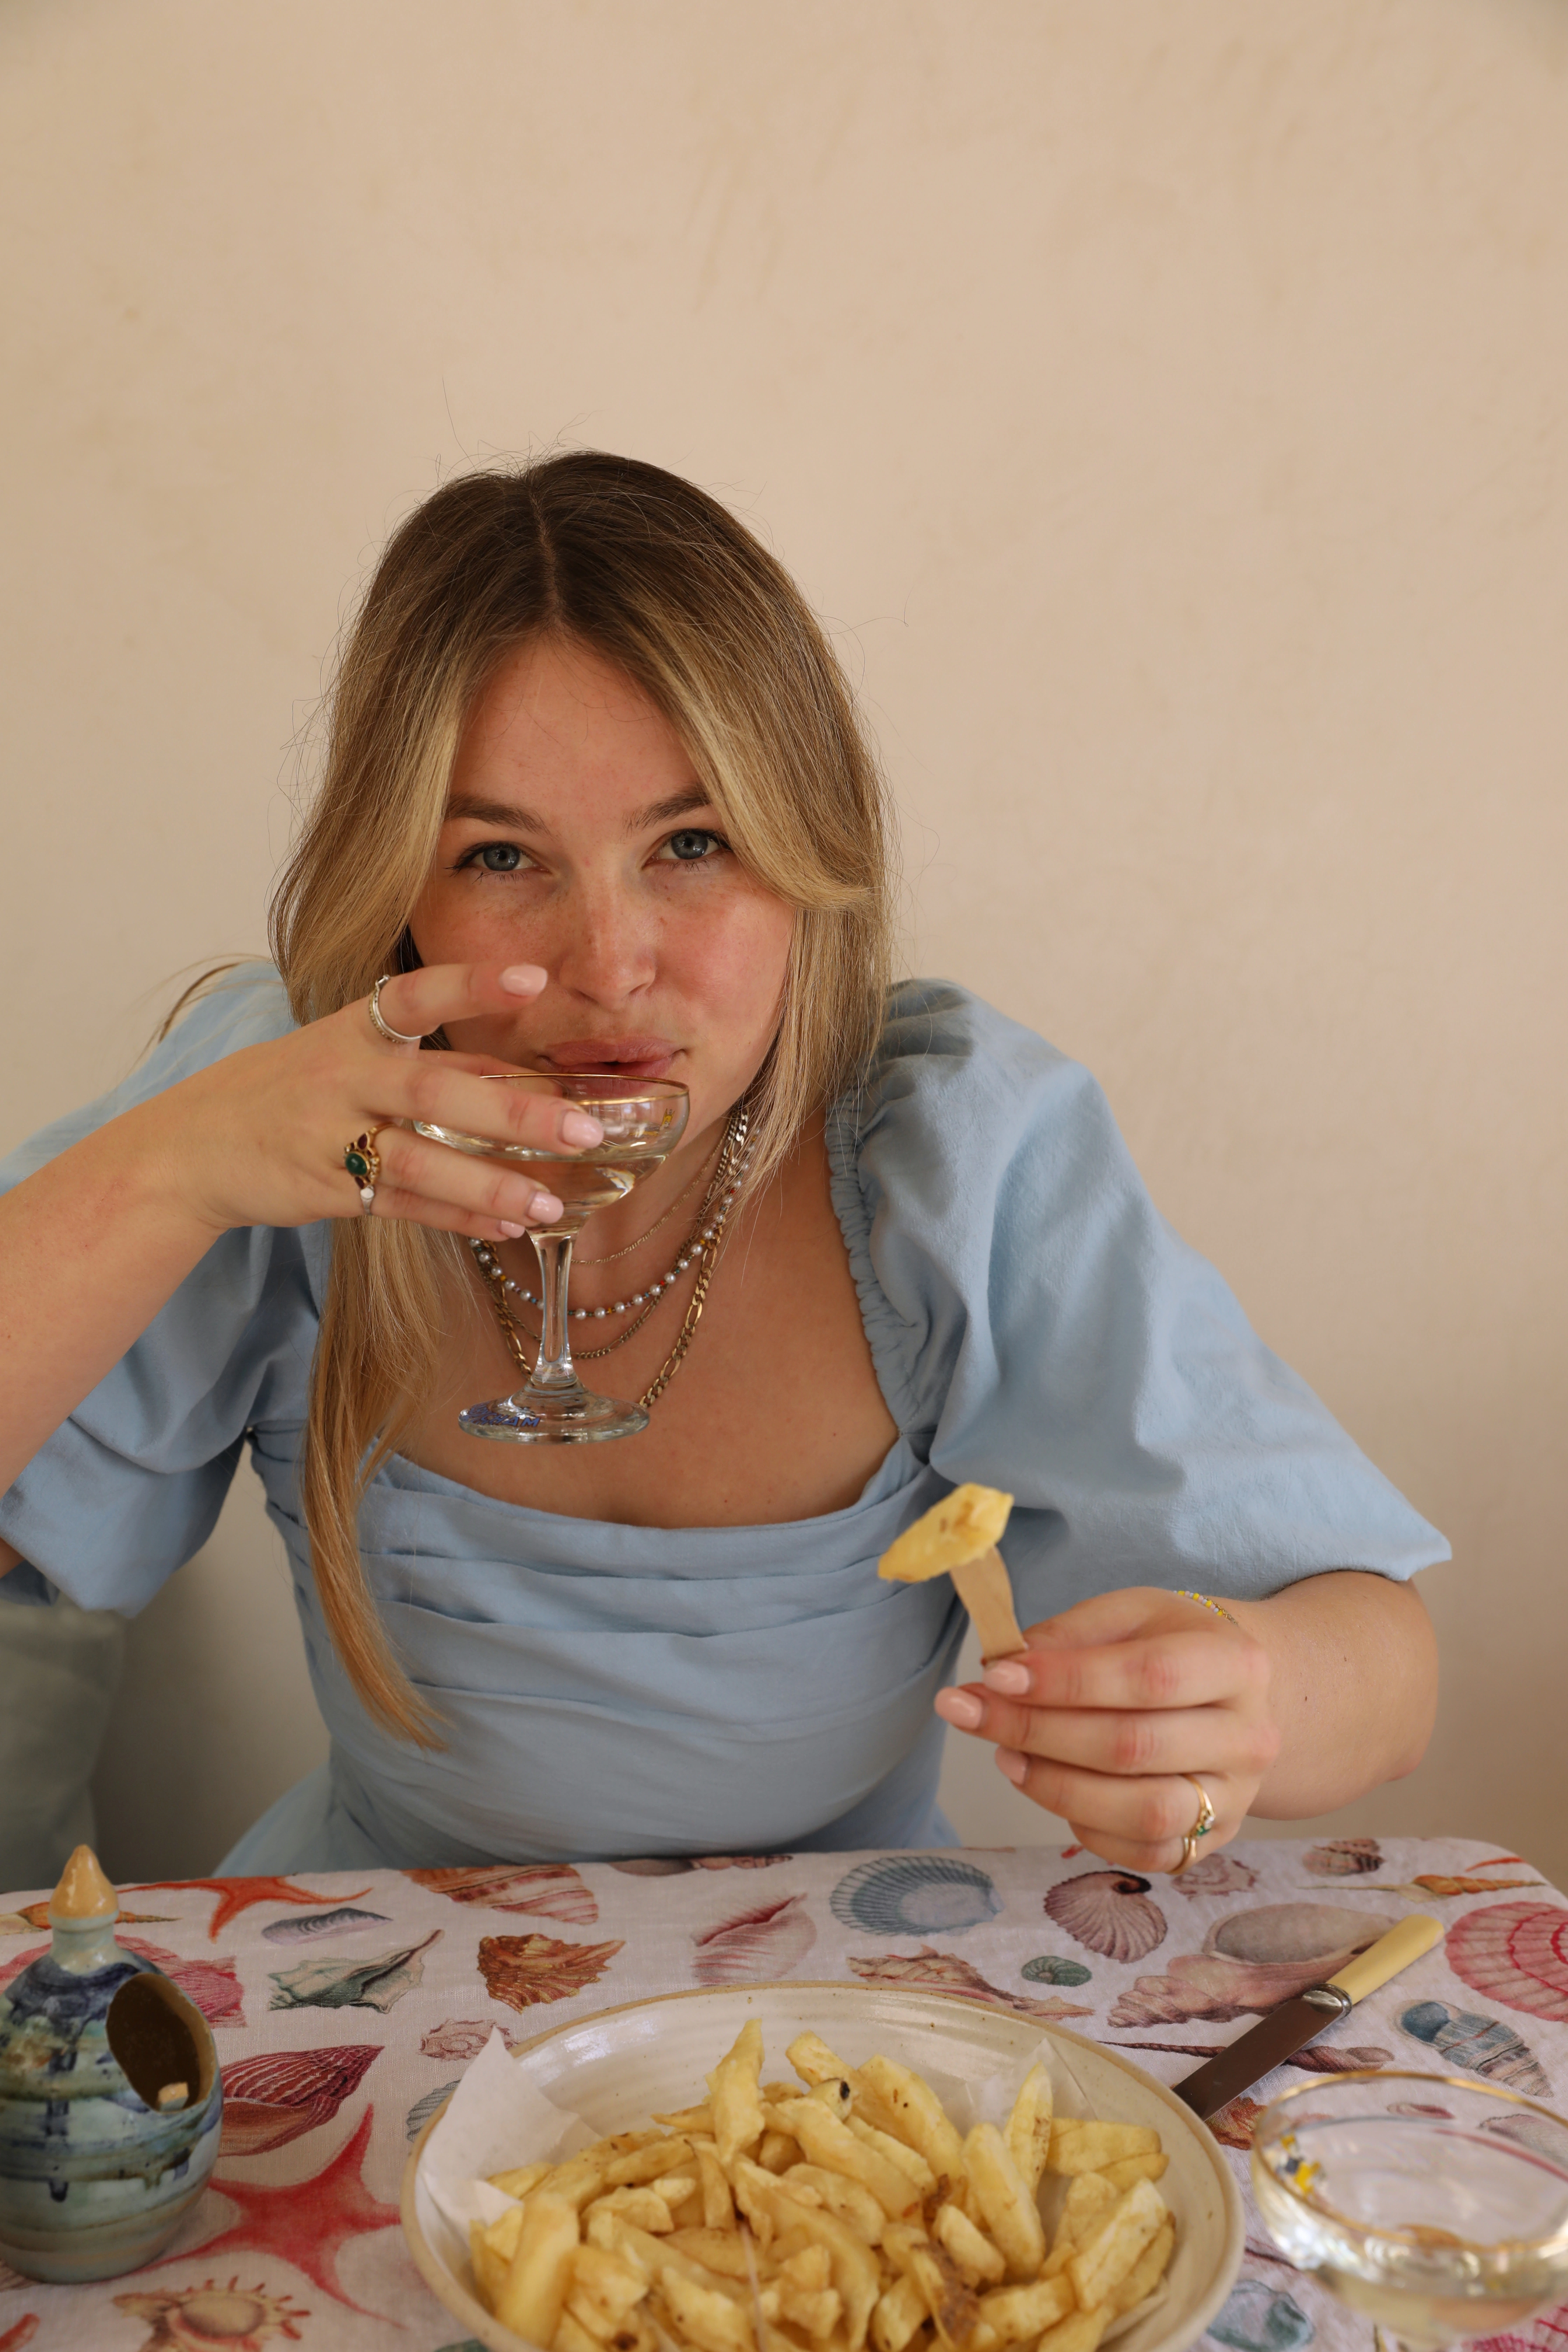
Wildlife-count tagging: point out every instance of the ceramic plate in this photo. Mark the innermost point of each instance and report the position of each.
(612, 2068)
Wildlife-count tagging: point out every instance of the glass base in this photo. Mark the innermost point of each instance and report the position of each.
(536, 1417)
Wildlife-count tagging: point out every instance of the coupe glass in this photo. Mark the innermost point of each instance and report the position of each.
(1436, 2207)
(643, 1119)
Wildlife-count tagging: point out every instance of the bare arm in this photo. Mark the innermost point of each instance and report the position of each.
(1306, 1700)
(93, 1245)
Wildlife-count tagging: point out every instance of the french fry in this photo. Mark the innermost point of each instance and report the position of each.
(1088, 2146)
(708, 2318)
(661, 2155)
(605, 2283)
(735, 2095)
(1148, 2270)
(1128, 2168)
(834, 2146)
(570, 2336)
(909, 2160)
(1017, 2314)
(1090, 2199)
(855, 2269)
(815, 2063)
(970, 2249)
(778, 2150)
(1028, 2131)
(846, 2198)
(920, 2118)
(644, 2207)
(520, 2182)
(948, 2296)
(490, 2265)
(533, 2294)
(689, 2119)
(1007, 2207)
(1104, 2260)
(900, 2313)
(717, 2205)
(1080, 2332)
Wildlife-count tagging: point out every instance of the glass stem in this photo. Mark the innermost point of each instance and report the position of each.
(554, 1369)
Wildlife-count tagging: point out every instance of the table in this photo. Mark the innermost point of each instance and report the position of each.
(345, 2006)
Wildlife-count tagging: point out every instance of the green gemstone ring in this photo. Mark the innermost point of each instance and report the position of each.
(362, 1162)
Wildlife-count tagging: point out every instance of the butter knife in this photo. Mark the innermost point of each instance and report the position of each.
(1296, 2022)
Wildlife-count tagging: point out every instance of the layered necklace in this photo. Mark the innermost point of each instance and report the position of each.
(702, 1247)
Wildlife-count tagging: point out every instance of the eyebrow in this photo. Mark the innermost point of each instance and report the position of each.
(521, 820)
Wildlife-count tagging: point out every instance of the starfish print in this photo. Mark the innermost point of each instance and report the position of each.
(238, 1895)
(305, 2222)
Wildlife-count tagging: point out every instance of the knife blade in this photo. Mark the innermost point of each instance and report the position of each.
(1300, 2020)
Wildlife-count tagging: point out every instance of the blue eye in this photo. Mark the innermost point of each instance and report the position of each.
(499, 858)
(691, 847)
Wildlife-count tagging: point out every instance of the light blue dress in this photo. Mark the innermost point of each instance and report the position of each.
(614, 1690)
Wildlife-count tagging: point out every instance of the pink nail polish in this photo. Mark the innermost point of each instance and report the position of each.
(1008, 1761)
(960, 1707)
(523, 979)
(578, 1127)
(1008, 1677)
(545, 1209)
(512, 1232)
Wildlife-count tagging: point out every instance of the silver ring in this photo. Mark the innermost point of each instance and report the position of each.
(393, 1036)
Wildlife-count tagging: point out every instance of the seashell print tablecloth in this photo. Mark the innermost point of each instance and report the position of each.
(345, 2009)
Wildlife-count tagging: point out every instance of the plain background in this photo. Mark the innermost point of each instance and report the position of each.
(1165, 405)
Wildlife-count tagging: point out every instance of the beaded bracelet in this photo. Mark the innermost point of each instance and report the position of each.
(1205, 1602)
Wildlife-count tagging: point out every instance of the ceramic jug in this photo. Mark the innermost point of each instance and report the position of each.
(110, 2099)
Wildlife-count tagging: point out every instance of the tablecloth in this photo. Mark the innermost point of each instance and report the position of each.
(345, 2008)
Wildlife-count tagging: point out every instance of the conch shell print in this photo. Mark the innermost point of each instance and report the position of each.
(553, 1889)
(945, 1972)
(1516, 1953)
(1253, 1961)
(378, 1982)
(1485, 2044)
(1108, 1911)
(281, 2094)
(753, 1946)
(521, 1970)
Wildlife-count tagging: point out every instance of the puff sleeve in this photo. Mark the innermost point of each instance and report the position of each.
(1037, 1326)
(131, 1485)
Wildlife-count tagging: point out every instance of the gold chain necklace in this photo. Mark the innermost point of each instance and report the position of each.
(732, 1164)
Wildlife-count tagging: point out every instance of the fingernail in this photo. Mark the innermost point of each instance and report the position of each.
(1008, 1761)
(961, 1709)
(545, 1209)
(1007, 1676)
(523, 979)
(578, 1127)
(513, 1233)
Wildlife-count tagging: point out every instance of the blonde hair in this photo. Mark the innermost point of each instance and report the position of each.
(654, 576)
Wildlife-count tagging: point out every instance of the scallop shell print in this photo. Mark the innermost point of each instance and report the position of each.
(521, 1970)
(914, 1894)
(1343, 1857)
(1217, 1873)
(1109, 1912)
(270, 2100)
(555, 1890)
(1483, 2044)
(753, 1946)
(1516, 1953)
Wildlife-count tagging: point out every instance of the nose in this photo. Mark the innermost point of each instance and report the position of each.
(608, 944)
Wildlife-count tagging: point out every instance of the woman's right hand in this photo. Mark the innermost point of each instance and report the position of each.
(258, 1138)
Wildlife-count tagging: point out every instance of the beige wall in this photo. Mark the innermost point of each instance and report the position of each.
(1167, 404)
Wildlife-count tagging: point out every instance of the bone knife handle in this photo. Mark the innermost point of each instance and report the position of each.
(983, 1587)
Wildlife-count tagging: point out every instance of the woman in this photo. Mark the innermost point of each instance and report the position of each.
(596, 798)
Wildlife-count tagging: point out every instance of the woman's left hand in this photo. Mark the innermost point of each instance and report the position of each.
(1111, 1703)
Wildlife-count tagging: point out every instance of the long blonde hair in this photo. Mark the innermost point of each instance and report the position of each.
(656, 577)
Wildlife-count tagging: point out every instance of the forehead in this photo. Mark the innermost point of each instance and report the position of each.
(556, 715)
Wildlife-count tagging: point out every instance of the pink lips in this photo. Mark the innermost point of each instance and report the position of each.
(627, 1057)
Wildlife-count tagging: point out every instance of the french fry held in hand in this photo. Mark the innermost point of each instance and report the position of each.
(958, 1538)
(847, 2216)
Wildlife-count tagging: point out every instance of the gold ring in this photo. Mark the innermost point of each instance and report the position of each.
(382, 1027)
(362, 1162)
(1206, 1816)
(1189, 1848)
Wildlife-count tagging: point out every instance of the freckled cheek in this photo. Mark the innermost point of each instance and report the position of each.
(733, 963)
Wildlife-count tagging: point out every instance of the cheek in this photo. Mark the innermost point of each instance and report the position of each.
(734, 961)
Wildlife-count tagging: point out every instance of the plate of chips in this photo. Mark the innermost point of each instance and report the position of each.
(820, 2168)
